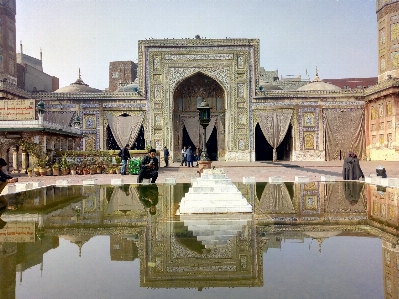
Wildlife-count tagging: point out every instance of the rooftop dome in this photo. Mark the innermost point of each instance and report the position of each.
(317, 84)
(78, 86)
(131, 87)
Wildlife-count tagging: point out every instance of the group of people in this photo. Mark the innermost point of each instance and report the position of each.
(188, 156)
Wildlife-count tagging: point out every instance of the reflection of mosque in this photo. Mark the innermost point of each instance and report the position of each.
(194, 252)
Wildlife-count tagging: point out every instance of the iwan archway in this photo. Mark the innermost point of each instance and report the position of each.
(186, 129)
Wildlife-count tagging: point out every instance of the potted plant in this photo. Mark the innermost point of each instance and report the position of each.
(64, 165)
(49, 170)
(30, 172)
(56, 169)
(42, 166)
(93, 169)
(72, 168)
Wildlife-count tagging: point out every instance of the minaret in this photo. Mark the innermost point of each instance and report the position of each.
(388, 39)
(8, 41)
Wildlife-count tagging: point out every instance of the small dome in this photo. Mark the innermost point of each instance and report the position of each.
(78, 86)
(317, 84)
(267, 87)
(132, 87)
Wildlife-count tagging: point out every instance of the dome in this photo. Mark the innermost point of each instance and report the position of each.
(268, 87)
(78, 86)
(132, 87)
(317, 84)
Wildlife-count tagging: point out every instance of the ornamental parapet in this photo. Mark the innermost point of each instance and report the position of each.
(309, 93)
(88, 95)
(36, 124)
(14, 89)
(392, 82)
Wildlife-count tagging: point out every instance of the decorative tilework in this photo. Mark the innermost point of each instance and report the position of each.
(309, 140)
(303, 129)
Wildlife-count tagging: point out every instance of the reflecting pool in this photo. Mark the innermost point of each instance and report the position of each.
(315, 240)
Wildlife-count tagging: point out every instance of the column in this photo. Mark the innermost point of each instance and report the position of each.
(15, 161)
(25, 162)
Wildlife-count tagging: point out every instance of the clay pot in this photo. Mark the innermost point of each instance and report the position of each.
(56, 171)
(43, 171)
(73, 172)
(85, 171)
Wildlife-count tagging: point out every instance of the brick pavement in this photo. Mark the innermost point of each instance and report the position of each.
(236, 171)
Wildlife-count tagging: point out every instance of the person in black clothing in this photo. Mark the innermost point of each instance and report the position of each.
(125, 155)
(149, 167)
(3, 176)
(351, 168)
(148, 195)
(166, 156)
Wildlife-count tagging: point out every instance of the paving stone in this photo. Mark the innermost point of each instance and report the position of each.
(117, 182)
(90, 182)
(249, 180)
(170, 181)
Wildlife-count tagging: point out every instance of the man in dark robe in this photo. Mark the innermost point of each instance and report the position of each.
(148, 195)
(351, 169)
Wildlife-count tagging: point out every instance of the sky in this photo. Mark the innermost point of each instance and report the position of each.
(339, 37)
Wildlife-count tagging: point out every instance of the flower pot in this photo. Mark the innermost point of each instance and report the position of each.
(85, 171)
(65, 171)
(30, 173)
(99, 170)
(56, 171)
(43, 171)
(49, 171)
(73, 172)
(36, 170)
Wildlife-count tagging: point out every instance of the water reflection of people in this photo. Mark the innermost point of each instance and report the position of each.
(351, 169)
(148, 195)
(353, 191)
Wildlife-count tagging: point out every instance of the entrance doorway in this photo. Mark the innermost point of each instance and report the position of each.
(264, 151)
(186, 128)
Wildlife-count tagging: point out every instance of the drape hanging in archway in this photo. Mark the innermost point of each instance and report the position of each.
(194, 129)
(125, 128)
(344, 132)
(274, 125)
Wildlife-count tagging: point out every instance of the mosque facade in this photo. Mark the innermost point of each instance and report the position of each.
(254, 114)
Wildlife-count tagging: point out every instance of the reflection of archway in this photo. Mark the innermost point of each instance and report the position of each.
(264, 151)
(186, 128)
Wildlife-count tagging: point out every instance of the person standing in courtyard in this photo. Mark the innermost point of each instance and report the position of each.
(351, 168)
(124, 155)
(149, 167)
(166, 156)
(183, 157)
(189, 154)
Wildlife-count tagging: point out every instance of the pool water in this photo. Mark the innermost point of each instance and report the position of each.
(313, 240)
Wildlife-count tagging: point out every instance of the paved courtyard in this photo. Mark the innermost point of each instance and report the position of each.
(236, 171)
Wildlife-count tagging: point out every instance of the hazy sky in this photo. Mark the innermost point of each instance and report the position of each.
(337, 36)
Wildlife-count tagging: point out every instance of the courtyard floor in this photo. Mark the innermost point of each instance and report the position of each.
(261, 170)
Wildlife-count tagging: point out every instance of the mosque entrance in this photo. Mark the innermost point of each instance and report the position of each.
(264, 151)
(186, 128)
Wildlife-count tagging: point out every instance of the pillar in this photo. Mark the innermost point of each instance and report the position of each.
(15, 161)
(25, 162)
